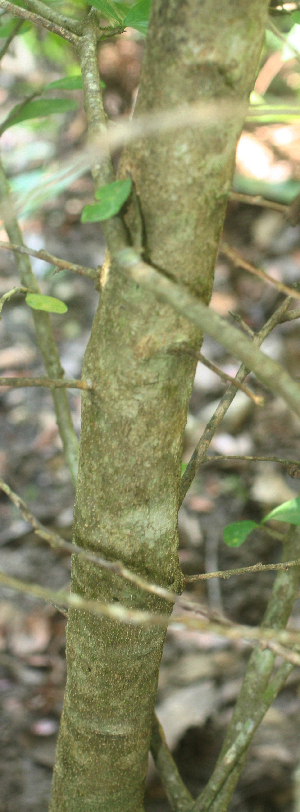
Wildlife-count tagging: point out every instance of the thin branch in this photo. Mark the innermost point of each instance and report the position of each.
(101, 168)
(237, 259)
(10, 38)
(199, 455)
(257, 399)
(225, 574)
(49, 383)
(234, 754)
(8, 295)
(258, 200)
(290, 316)
(57, 541)
(219, 790)
(292, 464)
(118, 568)
(243, 324)
(269, 372)
(36, 19)
(44, 332)
(62, 264)
(37, 7)
(176, 791)
(115, 611)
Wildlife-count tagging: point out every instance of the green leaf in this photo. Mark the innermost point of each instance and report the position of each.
(296, 17)
(287, 512)
(37, 109)
(110, 10)
(49, 303)
(67, 83)
(235, 534)
(111, 199)
(138, 16)
(5, 30)
(183, 467)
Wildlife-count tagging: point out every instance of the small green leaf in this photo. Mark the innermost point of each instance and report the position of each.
(296, 17)
(110, 10)
(138, 16)
(7, 28)
(287, 512)
(49, 303)
(183, 467)
(111, 199)
(37, 109)
(67, 83)
(235, 534)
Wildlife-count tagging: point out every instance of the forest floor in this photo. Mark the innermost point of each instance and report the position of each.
(200, 673)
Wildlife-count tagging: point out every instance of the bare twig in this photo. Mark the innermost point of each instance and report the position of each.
(269, 372)
(42, 22)
(225, 574)
(219, 789)
(238, 260)
(57, 541)
(177, 793)
(49, 383)
(199, 455)
(258, 200)
(62, 264)
(117, 568)
(48, 13)
(252, 634)
(290, 316)
(102, 170)
(44, 332)
(280, 460)
(257, 399)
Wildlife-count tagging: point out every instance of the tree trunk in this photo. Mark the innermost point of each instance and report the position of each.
(133, 421)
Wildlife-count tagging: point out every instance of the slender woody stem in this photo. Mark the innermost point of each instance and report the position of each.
(42, 22)
(49, 383)
(268, 371)
(237, 259)
(48, 13)
(177, 793)
(45, 337)
(62, 264)
(102, 171)
(219, 789)
(199, 455)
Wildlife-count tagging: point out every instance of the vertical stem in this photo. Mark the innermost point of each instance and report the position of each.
(217, 794)
(133, 422)
(44, 332)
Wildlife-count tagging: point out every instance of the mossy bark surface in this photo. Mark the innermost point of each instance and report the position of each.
(133, 421)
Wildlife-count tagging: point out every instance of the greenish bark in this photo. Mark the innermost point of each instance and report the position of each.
(132, 424)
